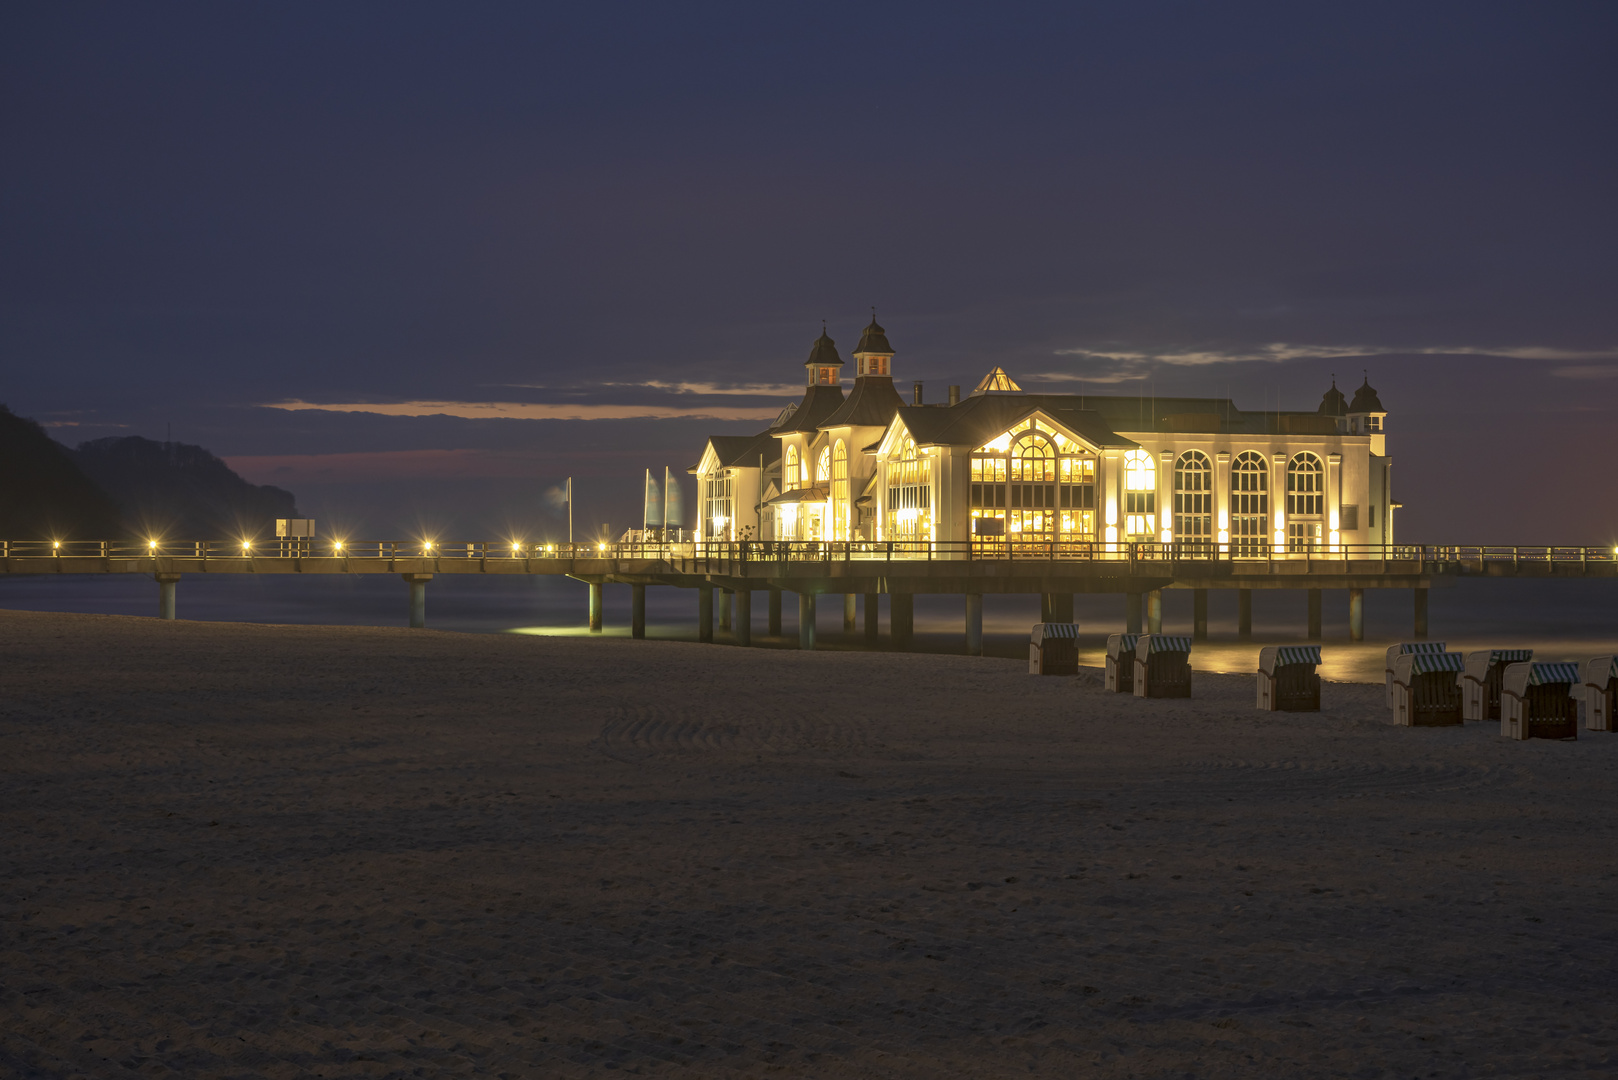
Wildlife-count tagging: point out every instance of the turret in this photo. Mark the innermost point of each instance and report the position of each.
(873, 356)
(1366, 416)
(824, 366)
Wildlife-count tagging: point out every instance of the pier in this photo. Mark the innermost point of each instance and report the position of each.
(736, 570)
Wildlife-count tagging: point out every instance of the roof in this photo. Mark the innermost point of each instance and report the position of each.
(818, 493)
(742, 451)
(1547, 674)
(1273, 656)
(1119, 644)
(818, 402)
(1333, 403)
(976, 420)
(874, 340)
(997, 382)
(1156, 643)
(823, 353)
(1365, 400)
(872, 403)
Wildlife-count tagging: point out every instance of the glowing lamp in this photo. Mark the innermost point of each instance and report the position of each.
(601, 547)
(426, 545)
(246, 547)
(55, 544)
(151, 545)
(515, 549)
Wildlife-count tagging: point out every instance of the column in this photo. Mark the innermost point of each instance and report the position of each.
(1199, 614)
(1314, 614)
(1154, 611)
(873, 610)
(637, 611)
(165, 595)
(901, 619)
(1244, 614)
(724, 608)
(974, 624)
(595, 607)
(806, 620)
(704, 613)
(1421, 613)
(850, 615)
(418, 599)
(742, 625)
(1356, 614)
(1132, 613)
(775, 612)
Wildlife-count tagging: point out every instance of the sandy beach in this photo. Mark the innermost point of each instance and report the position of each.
(267, 851)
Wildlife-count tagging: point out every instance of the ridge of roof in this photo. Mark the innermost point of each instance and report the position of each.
(871, 404)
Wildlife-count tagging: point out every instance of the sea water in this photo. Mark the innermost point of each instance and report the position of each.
(1563, 618)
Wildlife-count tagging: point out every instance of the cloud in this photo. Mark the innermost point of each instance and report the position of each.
(1278, 352)
(524, 410)
(701, 389)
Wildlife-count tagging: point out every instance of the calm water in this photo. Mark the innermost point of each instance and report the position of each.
(1559, 619)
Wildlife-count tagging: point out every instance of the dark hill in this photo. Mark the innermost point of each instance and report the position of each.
(180, 491)
(43, 493)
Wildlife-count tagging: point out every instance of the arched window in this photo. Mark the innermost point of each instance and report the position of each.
(839, 491)
(1035, 484)
(789, 475)
(1140, 496)
(1306, 502)
(910, 494)
(1193, 497)
(1249, 504)
(823, 466)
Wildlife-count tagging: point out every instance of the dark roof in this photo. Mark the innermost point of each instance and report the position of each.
(874, 340)
(872, 403)
(818, 402)
(742, 451)
(978, 419)
(823, 353)
(1334, 403)
(1365, 400)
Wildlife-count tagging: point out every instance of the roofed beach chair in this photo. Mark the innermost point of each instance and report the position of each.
(1395, 651)
(1425, 693)
(1286, 678)
(1600, 692)
(1053, 649)
(1480, 681)
(1537, 702)
(1121, 663)
(1163, 666)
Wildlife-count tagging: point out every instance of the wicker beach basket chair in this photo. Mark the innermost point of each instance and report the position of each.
(1396, 651)
(1480, 681)
(1163, 666)
(1537, 701)
(1425, 693)
(1120, 678)
(1287, 681)
(1053, 649)
(1600, 693)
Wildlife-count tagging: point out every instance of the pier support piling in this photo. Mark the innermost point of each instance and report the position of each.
(873, 609)
(1314, 614)
(806, 620)
(974, 624)
(724, 608)
(1199, 614)
(1132, 613)
(1154, 611)
(1421, 613)
(705, 613)
(165, 595)
(743, 622)
(902, 619)
(775, 612)
(418, 599)
(637, 611)
(595, 607)
(850, 615)
(1356, 614)
(1244, 614)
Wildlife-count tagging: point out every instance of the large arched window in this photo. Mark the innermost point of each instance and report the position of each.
(1193, 498)
(1140, 496)
(1306, 502)
(823, 466)
(1249, 504)
(909, 494)
(839, 491)
(1035, 484)
(789, 475)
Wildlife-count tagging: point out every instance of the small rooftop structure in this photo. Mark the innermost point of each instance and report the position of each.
(997, 382)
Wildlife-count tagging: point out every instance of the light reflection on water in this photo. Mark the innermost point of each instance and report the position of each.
(1559, 619)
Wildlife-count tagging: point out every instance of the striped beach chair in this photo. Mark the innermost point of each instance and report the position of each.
(1408, 647)
(1425, 693)
(1600, 693)
(1053, 649)
(1163, 666)
(1480, 681)
(1120, 678)
(1537, 702)
(1287, 681)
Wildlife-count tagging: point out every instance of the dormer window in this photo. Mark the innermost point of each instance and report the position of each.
(828, 376)
(873, 365)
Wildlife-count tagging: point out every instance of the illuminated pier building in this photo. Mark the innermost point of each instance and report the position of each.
(1004, 467)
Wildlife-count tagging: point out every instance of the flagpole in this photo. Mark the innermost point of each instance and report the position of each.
(570, 511)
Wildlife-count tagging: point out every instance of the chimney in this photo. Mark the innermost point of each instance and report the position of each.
(916, 393)
(955, 395)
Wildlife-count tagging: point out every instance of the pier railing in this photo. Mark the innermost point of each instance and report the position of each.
(1476, 558)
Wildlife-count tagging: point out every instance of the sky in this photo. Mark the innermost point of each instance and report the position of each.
(420, 263)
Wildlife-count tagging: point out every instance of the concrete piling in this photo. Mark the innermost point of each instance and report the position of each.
(775, 612)
(637, 611)
(1132, 613)
(806, 620)
(1154, 611)
(1356, 614)
(705, 613)
(850, 615)
(418, 599)
(873, 609)
(595, 607)
(166, 590)
(901, 619)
